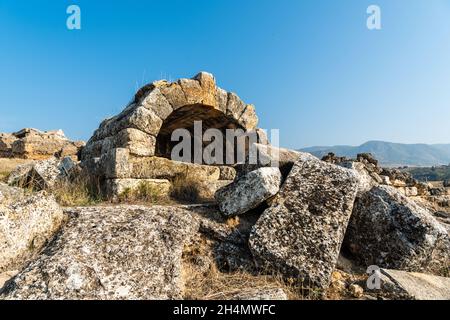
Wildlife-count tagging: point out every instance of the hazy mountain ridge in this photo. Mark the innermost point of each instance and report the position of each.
(392, 154)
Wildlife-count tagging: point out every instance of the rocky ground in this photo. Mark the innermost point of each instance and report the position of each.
(119, 219)
(269, 236)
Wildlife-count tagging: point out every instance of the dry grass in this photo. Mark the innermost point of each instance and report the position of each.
(145, 192)
(215, 284)
(77, 192)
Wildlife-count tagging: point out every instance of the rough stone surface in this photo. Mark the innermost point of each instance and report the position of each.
(391, 231)
(300, 235)
(116, 252)
(27, 223)
(249, 191)
(9, 194)
(411, 285)
(260, 294)
(162, 168)
(227, 173)
(366, 181)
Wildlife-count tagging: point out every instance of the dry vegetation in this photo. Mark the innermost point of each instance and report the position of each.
(145, 192)
(77, 192)
(205, 281)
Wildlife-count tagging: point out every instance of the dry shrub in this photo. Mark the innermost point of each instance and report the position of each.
(188, 189)
(215, 284)
(144, 192)
(80, 191)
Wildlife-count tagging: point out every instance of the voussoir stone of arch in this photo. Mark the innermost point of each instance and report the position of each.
(156, 101)
(249, 119)
(221, 100)
(235, 106)
(174, 94)
(135, 116)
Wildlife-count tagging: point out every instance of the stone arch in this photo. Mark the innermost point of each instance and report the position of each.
(134, 144)
(164, 105)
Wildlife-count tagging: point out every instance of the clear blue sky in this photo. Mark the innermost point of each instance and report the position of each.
(312, 68)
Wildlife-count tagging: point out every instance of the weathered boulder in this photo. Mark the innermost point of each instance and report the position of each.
(411, 285)
(130, 252)
(249, 191)
(42, 174)
(300, 235)
(27, 223)
(389, 230)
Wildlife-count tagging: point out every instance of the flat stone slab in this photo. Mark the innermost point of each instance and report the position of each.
(120, 252)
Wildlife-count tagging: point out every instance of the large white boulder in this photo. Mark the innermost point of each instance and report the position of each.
(249, 191)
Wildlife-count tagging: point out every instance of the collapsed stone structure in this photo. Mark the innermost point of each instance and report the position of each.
(135, 145)
(296, 219)
(34, 144)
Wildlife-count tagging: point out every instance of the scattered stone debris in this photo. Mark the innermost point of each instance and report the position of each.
(289, 217)
(265, 155)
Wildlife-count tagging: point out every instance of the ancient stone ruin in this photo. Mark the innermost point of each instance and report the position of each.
(135, 145)
(307, 224)
(34, 144)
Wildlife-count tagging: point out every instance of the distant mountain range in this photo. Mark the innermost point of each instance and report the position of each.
(392, 154)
